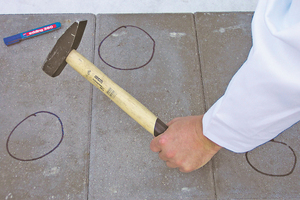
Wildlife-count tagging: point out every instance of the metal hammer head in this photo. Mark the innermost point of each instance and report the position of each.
(56, 60)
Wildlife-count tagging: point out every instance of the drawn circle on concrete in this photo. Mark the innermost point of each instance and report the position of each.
(28, 136)
(127, 48)
(273, 159)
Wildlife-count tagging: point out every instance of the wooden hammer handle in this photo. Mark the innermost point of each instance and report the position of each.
(119, 96)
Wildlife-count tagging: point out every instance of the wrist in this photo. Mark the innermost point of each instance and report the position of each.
(209, 144)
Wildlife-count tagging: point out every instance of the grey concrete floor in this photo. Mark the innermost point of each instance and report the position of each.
(105, 154)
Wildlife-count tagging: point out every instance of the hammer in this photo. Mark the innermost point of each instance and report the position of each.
(65, 52)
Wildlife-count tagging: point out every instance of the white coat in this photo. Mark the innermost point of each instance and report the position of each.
(263, 97)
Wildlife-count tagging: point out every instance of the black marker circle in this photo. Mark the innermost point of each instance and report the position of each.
(275, 175)
(133, 68)
(32, 159)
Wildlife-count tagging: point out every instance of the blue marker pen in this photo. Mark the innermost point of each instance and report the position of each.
(32, 33)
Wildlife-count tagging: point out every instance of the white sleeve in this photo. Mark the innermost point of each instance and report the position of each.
(263, 97)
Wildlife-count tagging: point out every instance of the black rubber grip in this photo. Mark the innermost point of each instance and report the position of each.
(159, 128)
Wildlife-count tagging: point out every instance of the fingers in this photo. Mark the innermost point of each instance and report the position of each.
(171, 164)
(154, 145)
(186, 169)
(157, 143)
(167, 155)
(183, 167)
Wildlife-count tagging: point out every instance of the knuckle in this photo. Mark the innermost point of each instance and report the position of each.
(171, 165)
(186, 168)
(162, 141)
(179, 163)
(170, 154)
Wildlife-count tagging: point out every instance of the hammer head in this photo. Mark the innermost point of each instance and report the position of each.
(56, 60)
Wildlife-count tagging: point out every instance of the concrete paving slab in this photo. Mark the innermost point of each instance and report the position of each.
(224, 42)
(26, 89)
(122, 164)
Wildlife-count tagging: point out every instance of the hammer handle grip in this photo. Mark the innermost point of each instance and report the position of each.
(119, 96)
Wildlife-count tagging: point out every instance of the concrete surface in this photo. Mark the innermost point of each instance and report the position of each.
(170, 86)
(26, 89)
(224, 42)
(105, 154)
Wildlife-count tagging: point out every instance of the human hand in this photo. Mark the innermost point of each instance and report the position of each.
(183, 144)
